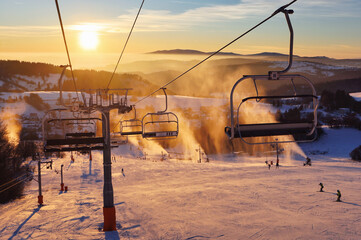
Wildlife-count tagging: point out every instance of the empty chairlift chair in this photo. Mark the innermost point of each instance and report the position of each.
(305, 129)
(160, 125)
(63, 134)
(131, 127)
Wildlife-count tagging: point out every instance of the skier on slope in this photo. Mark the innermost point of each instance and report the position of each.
(321, 190)
(338, 196)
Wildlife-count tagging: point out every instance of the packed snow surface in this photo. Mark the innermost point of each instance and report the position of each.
(231, 197)
(356, 96)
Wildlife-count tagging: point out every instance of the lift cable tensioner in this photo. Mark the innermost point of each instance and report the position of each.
(307, 128)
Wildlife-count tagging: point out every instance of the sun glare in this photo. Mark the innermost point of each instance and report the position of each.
(88, 40)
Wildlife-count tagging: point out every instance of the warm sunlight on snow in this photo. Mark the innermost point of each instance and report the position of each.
(88, 40)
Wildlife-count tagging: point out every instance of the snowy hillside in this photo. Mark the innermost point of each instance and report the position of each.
(238, 199)
(30, 83)
(174, 197)
(356, 96)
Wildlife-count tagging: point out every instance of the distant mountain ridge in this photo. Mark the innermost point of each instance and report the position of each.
(191, 52)
(196, 52)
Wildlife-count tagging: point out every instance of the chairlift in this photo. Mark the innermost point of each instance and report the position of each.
(305, 128)
(117, 139)
(131, 127)
(161, 124)
(64, 140)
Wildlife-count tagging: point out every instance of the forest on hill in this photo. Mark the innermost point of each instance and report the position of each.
(213, 78)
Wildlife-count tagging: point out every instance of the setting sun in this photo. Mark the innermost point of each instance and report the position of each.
(88, 40)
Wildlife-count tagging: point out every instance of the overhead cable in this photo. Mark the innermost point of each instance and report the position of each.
(26, 178)
(219, 50)
(66, 48)
(125, 45)
(12, 180)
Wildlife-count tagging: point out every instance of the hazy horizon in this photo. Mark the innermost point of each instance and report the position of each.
(102, 61)
(100, 28)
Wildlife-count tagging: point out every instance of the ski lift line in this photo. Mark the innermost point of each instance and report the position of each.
(66, 48)
(219, 50)
(116, 125)
(125, 45)
(12, 180)
(27, 178)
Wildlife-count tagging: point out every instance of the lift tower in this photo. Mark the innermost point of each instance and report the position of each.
(100, 101)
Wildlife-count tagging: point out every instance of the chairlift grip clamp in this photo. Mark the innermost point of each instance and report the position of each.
(274, 75)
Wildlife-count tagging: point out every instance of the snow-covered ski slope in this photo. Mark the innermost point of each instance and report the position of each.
(228, 198)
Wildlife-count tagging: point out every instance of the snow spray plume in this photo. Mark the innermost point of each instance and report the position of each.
(206, 127)
(186, 142)
(150, 148)
(13, 126)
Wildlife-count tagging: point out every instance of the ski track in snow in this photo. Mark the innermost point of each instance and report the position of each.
(185, 200)
(228, 198)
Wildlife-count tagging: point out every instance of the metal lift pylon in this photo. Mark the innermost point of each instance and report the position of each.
(108, 196)
(103, 103)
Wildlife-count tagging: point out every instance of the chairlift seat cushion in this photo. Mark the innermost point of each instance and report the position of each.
(164, 134)
(74, 141)
(72, 149)
(131, 133)
(270, 129)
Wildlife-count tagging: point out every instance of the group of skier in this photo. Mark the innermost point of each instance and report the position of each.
(338, 192)
(308, 162)
(270, 163)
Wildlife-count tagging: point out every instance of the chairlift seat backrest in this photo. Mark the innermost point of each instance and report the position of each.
(160, 125)
(237, 130)
(270, 129)
(80, 134)
(242, 131)
(131, 127)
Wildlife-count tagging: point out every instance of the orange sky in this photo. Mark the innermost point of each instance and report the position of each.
(320, 29)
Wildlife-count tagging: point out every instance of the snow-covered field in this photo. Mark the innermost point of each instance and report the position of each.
(356, 96)
(231, 197)
(228, 198)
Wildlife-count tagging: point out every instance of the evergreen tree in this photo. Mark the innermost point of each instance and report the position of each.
(13, 175)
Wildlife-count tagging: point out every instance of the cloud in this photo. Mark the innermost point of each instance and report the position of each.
(28, 31)
(167, 20)
(326, 8)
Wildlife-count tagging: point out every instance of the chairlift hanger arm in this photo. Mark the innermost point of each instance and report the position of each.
(135, 113)
(60, 84)
(166, 101)
(274, 75)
